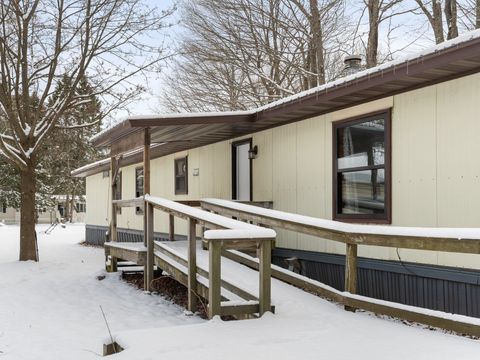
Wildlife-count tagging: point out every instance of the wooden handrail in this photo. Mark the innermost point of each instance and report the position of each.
(137, 202)
(210, 220)
(388, 236)
(447, 240)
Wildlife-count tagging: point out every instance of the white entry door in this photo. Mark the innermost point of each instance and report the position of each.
(242, 172)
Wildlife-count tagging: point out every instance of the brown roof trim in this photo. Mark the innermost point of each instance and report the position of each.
(130, 125)
(165, 121)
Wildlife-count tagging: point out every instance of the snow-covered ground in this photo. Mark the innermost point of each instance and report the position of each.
(50, 310)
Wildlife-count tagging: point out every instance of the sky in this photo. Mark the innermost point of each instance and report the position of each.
(149, 102)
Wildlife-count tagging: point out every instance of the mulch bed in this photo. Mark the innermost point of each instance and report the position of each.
(84, 243)
(167, 287)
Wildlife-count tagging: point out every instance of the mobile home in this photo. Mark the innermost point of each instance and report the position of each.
(396, 144)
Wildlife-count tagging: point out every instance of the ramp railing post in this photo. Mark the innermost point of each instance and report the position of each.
(113, 223)
(265, 269)
(351, 271)
(149, 225)
(214, 276)
(171, 228)
(192, 265)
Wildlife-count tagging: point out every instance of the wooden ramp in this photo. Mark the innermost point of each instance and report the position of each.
(172, 257)
(202, 278)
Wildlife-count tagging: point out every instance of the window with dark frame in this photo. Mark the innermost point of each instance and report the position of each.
(139, 187)
(181, 176)
(361, 169)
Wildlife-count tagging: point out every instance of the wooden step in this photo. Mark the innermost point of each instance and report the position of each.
(134, 252)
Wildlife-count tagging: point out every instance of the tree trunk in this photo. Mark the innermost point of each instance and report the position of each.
(451, 17)
(434, 18)
(72, 206)
(316, 58)
(477, 14)
(437, 23)
(28, 241)
(372, 44)
(66, 208)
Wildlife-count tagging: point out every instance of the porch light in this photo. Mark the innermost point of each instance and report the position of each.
(252, 152)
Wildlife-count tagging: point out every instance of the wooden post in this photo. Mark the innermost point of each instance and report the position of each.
(171, 230)
(192, 265)
(214, 278)
(265, 269)
(147, 223)
(351, 271)
(146, 175)
(113, 221)
(148, 208)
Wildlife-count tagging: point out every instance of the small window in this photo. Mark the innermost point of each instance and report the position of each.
(362, 169)
(4, 208)
(139, 187)
(181, 176)
(118, 190)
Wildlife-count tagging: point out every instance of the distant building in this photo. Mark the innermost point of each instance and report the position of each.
(47, 215)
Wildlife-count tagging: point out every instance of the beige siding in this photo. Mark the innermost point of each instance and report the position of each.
(98, 200)
(128, 219)
(458, 148)
(311, 179)
(262, 166)
(435, 170)
(285, 178)
(458, 164)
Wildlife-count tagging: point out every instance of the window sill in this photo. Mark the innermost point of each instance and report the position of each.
(366, 221)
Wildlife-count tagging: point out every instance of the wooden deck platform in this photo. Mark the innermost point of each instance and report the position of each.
(171, 257)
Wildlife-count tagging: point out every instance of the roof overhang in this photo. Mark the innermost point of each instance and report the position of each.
(178, 132)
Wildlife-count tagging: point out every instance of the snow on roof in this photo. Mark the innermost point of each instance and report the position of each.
(91, 165)
(193, 114)
(411, 58)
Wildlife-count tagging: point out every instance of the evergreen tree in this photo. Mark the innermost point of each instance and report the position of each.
(68, 148)
(65, 149)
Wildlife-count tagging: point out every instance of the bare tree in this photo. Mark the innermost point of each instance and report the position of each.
(433, 12)
(104, 40)
(451, 18)
(432, 9)
(468, 14)
(379, 11)
(242, 53)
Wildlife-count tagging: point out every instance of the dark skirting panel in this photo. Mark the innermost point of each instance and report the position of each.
(96, 235)
(441, 288)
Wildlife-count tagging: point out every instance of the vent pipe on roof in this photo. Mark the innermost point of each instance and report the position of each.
(353, 64)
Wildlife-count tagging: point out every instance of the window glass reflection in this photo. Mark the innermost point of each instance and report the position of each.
(361, 144)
